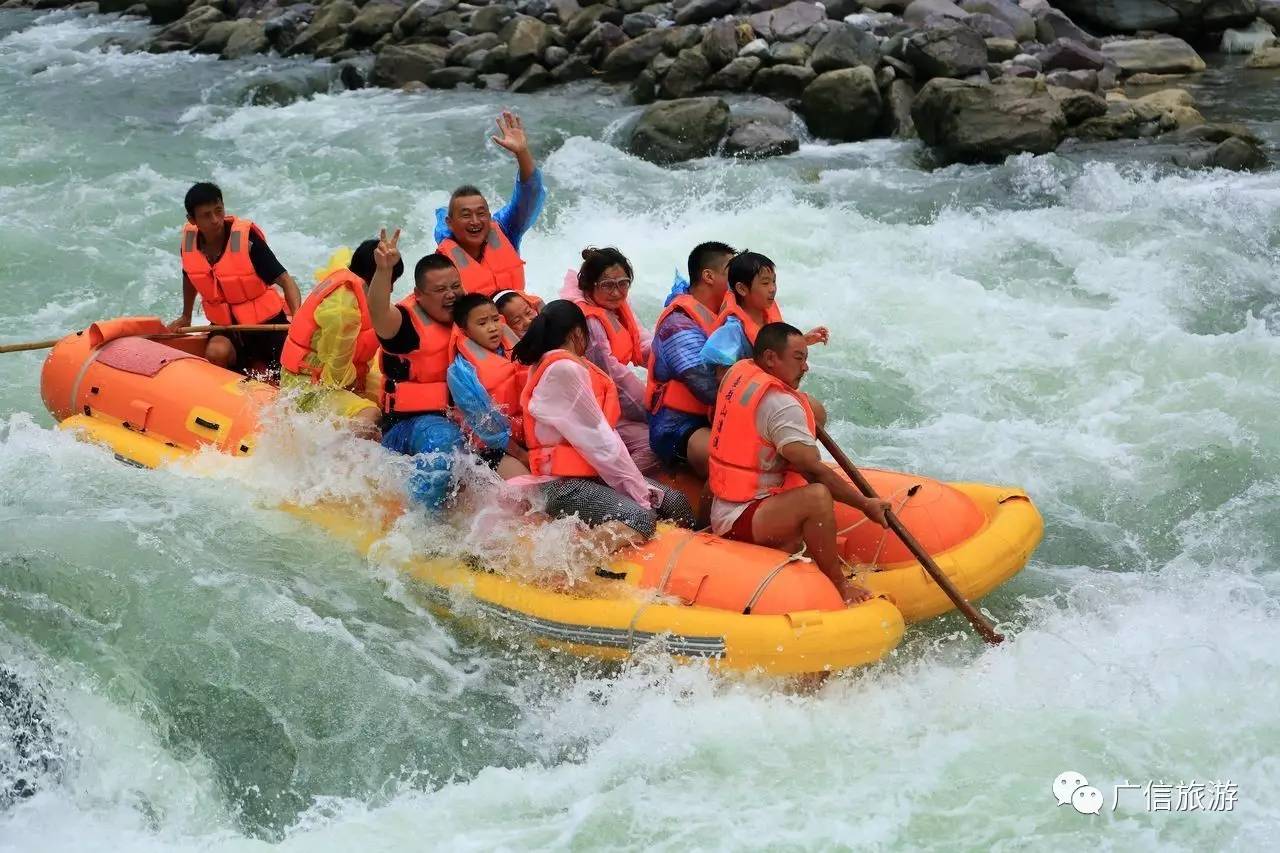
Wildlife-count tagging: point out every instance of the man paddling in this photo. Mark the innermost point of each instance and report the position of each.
(485, 248)
(228, 262)
(770, 485)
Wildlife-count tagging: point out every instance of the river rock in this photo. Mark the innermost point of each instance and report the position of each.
(788, 53)
(526, 39)
(630, 57)
(1071, 55)
(989, 27)
(681, 38)
(1234, 153)
(373, 22)
(1122, 120)
(577, 27)
(638, 22)
(555, 56)
(946, 49)
(897, 110)
(412, 21)
(755, 140)
(789, 22)
(1052, 25)
(1177, 104)
(674, 131)
(1084, 81)
(919, 12)
(215, 38)
(701, 11)
(1267, 57)
(785, 82)
(720, 44)
(976, 122)
(998, 50)
(283, 28)
(1013, 15)
(398, 64)
(576, 67)
(686, 76)
(452, 77)
(1127, 16)
(247, 37)
(471, 45)
(492, 19)
(844, 104)
(737, 75)
(329, 23)
(845, 46)
(1164, 55)
(535, 77)
(1078, 106)
(495, 82)
(187, 31)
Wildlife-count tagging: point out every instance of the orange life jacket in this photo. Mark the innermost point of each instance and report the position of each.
(562, 459)
(501, 377)
(230, 290)
(622, 329)
(414, 383)
(499, 268)
(733, 309)
(737, 448)
(302, 331)
(673, 393)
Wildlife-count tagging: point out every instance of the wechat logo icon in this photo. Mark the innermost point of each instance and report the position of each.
(1071, 787)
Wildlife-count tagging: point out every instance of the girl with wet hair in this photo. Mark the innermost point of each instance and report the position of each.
(576, 455)
(617, 342)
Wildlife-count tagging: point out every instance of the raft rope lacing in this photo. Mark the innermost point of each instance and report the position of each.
(907, 493)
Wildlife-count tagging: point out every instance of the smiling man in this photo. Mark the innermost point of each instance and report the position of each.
(485, 247)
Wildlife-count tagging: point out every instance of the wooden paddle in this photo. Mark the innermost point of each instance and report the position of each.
(979, 622)
(186, 330)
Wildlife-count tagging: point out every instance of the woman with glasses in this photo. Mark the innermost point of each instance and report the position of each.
(617, 342)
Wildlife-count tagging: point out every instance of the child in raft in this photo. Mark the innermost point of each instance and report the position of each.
(750, 304)
(485, 385)
(517, 310)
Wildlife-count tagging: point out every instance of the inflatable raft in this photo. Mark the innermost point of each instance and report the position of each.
(743, 607)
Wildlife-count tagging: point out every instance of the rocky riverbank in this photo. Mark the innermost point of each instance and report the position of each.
(975, 82)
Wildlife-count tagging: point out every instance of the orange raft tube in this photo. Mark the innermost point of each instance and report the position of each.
(698, 596)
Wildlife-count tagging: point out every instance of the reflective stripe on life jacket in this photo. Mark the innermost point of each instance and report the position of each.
(230, 289)
(499, 268)
(622, 329)
(562, 459)
(733, 309)
(738, 451)
(500, 376)
(414, 383)
(298, 355)
(673, 393)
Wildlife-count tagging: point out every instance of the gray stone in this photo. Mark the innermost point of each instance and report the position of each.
(1085, 81)
(1021, 71)
(674, 131)
(1267, 57)
(644, 88)
(495, 60)
(535, 77)
(492, 19)
(755, 47)
(638, 22)
(1164, 55)
(630, 57)
(946, 50)
(720, 44)
(1121, 121)
(845, 46)
(989, 27)
(1052, 25)
(681, 38)
(585, 21)
(215, 38)
(565, 9)
(789, 22)
(328, 24)
(398, 64)
(452, 77)
(373, 22)
(783, 81)
(985, 123)
(412, 21)
(470, 45)
(756, 140)
(554, 56)
(764, 110)
(844, 104)
(789, 53)
(526, 39)
(189, 30)
(920, 11)
(998, 50)
(283, 29)
(246, 38)
(661, 64)
(900, 68)
(1017, 18)
(687, 75)
(737, 75)
(898, 100)
(574, 68)
(701, 11)
(1237, 155)
(1078, 106)
(1071, 56)
(1028, 61)
(496, 82)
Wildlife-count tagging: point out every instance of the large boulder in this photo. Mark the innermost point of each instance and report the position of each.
(784, 82)
(1071, 56)
(673, 131)
(844, 104)
(701, 11)
(788, 22)
(946, 49)
(987, 122)
(845, 46)
(328, 24)
(737, 75)
(526, 40)
(720, 44)
(1018, 19)
(373, 22)
(1164, 55)
(398, 64)
(630, 57)
(1077, 105)
(1189, 16)
(687, 74)
(754, 140)
(246, 38)
(1233, 153)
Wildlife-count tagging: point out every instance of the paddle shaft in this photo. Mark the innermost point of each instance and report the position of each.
(979, 622)
(186, 330)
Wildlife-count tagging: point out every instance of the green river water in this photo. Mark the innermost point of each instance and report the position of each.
(1093, 326)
